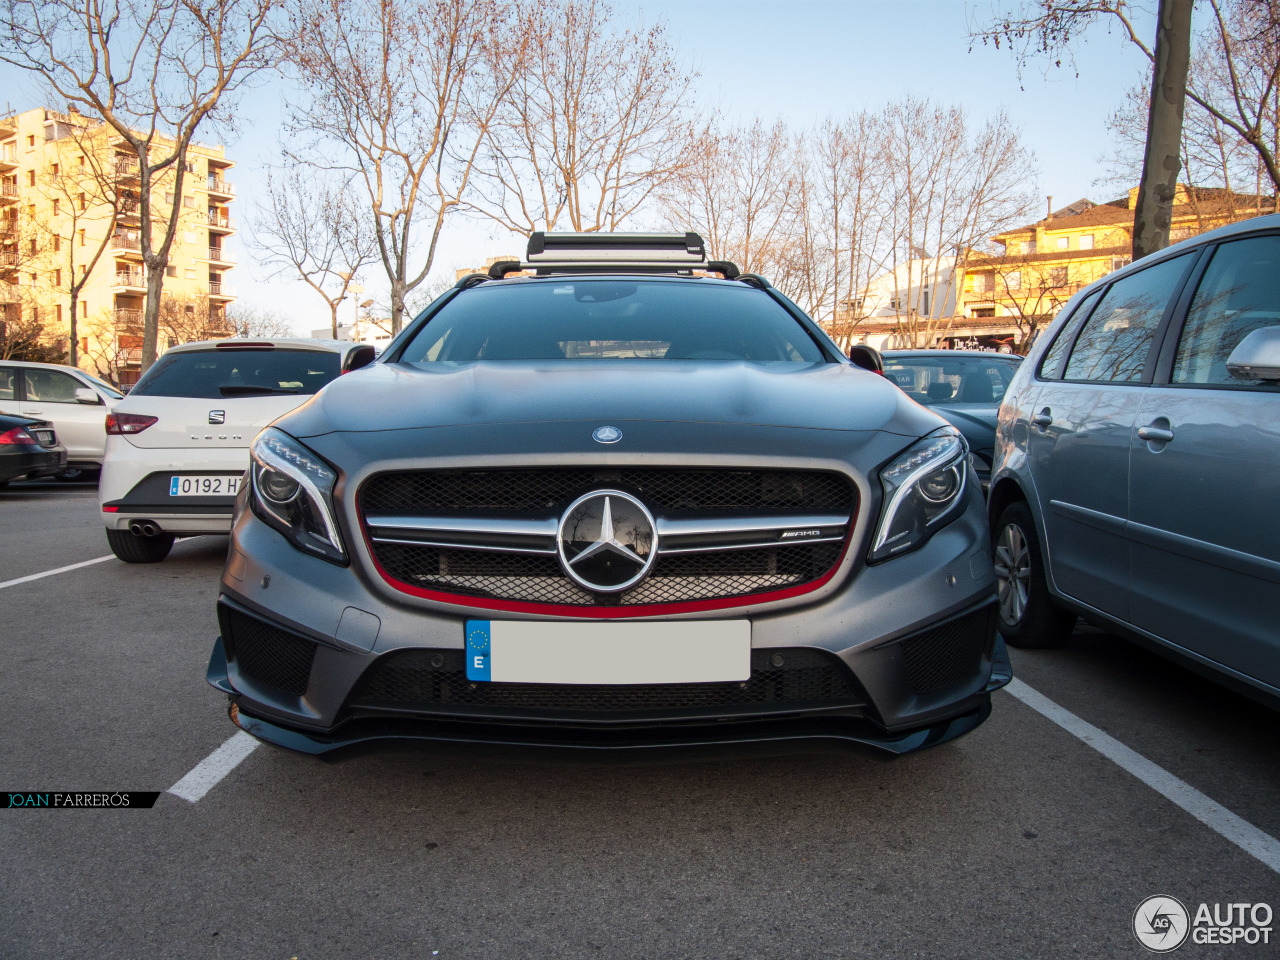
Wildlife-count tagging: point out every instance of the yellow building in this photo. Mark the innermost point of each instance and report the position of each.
(62, 177)
(1040, 266)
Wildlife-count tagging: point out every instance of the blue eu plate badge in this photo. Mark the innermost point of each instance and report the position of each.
(478, 659)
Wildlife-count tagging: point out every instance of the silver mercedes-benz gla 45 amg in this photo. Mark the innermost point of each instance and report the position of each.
(614, 496)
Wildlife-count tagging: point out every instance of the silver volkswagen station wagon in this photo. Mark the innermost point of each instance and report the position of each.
(1137, 472)
(615, 496)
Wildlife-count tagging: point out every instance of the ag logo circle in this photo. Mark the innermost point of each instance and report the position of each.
(1161, 924)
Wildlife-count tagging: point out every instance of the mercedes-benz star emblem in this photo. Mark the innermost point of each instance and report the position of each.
(606, 435)
(607, 541)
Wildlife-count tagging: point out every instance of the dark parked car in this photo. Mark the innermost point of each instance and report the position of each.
(1137, 469)
(963, 386)
(618, 503)
(28, 449)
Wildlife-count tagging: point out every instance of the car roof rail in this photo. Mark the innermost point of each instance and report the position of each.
(471, 279)
(586, 253)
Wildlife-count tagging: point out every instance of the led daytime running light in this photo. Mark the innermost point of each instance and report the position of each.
(271, 450)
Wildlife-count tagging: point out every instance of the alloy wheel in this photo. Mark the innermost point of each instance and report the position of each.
(1013, 573)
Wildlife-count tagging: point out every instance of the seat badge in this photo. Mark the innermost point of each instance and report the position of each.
(217, 416)
(606, 435)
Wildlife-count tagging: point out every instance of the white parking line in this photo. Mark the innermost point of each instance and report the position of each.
(1209, 812)
(206, 774)
(50, 573)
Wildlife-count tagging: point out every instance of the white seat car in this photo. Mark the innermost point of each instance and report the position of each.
(178, 444)
(75, 402)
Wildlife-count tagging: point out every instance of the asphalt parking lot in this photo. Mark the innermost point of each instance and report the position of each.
(1019, 840)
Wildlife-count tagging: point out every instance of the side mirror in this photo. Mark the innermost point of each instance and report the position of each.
(1257, 356)
(360, 358)
(868, 358)
(85, 395)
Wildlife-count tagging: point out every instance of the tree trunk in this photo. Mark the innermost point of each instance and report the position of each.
(72, 355)
(1153, 214)
(151, 316)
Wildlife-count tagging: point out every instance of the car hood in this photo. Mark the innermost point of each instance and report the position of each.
(824, 396)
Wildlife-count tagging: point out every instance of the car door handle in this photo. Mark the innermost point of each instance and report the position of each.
(1043, 418)
(36, 412)
(1154, 434)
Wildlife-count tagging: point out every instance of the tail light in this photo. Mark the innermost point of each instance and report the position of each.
(119, 424)
(17, 436)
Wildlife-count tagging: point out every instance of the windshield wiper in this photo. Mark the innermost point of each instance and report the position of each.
(248, 390)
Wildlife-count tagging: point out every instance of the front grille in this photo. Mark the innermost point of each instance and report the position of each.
(455, 565)
(436, 681)
(949, 654)
(671, 491)
(266, 654)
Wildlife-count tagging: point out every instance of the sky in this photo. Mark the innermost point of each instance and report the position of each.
(799, 60)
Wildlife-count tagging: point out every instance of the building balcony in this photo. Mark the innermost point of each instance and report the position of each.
(127, 248)
(129, 210)
(8, 160)
(130, 281)
(8, 126)
(8, 230)
(220, 291)
(8, 259)
(8, 193)
(218, 255)
(128, 321)
(219, 187)
(221, 220)
(9, 293)
(125, 168)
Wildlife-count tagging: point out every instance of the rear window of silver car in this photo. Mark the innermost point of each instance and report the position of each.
(217, 373)
(613, 319)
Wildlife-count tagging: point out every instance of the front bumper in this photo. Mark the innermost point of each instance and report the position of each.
(701, 738)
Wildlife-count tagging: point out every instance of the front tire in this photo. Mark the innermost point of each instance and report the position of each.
(1029, 617)
(134, 549)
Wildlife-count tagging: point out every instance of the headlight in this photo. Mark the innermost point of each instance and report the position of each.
(922, 488)
(293, 492)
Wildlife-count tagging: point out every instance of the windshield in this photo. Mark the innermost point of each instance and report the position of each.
(613, 319)
(216, 373)
(952, 380)
(106, 388)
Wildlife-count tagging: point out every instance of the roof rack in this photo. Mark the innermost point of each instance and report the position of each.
(658, 253)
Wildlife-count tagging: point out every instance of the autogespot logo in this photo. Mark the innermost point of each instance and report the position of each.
(1161, 924)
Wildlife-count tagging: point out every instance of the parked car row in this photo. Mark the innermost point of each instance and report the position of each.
(74, 402)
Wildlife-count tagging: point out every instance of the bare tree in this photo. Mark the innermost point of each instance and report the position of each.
(1031, 291)
(1244, 36)
(246, 320)
(402, 93)
(315, 229)
(594, 125)
(155, 71)
(948, 189)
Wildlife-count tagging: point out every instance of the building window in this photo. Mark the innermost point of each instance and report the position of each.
(83, 203)
(57, 207)
(1058, 276)
(84, 312)
(57, 243)
(82, 159)
(983, 313)
(58, 313)
(31, 141)
(1031, 246)
(82, 236)
(168, 197)
(191, 273)
(1063, 243)
(1118, 262)
(171, 271)
(189, 202)
(31, 210)
(31, 246)
(57, 169)
(1086, 242)
(1014, 280)
(57, 280)
(31, 178)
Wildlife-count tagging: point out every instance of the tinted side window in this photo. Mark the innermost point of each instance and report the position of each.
(1051, 364)
(1238, 294)
(1115, 341)
(8, 383)
(238, 373)
(50, 386)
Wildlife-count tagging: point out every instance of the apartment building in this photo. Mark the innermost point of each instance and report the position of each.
(1038, 267)
(69, 188)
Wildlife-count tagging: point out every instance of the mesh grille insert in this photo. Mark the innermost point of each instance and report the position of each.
(269, 655)
(670, 492)
(412, 680)
(949, 654)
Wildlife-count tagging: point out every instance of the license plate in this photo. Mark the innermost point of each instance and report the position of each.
(45, 437)
(204, 486)
(672, 651)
